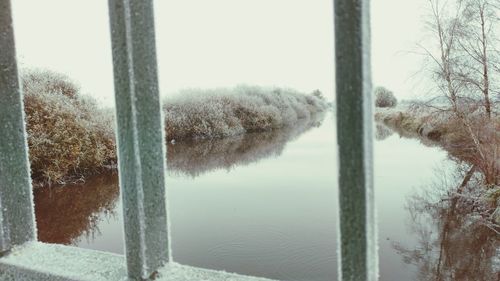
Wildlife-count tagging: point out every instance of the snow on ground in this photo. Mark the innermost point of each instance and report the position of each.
(40, 261)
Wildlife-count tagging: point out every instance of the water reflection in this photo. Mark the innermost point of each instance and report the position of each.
(279, 221)
(457, 239)
(194, 158)
(67, 214)
(72, 213)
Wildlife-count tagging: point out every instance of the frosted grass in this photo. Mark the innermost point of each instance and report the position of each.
(223, 112)
(70, 136)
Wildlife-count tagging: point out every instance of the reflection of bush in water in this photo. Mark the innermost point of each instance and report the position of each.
(63, 214)
(194, 158)
(457, 239)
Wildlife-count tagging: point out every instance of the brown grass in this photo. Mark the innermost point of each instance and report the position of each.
(68, 136)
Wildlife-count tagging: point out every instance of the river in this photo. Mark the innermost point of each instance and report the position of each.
(263, 204)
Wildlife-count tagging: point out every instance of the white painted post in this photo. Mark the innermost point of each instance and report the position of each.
(354, 135)
(17, 222)
(141, 147)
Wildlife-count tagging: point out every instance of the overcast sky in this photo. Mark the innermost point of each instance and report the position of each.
(213, 43)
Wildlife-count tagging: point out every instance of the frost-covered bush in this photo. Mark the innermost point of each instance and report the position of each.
(384, 98)
(68, 135)
(382, 131)
(217, 113)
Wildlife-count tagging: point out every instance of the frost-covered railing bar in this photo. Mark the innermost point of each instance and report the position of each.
(354, 135)
(141, 146)
(142, 170)
(17, 223)
(141, 153)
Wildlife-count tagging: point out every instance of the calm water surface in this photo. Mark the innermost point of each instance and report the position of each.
(261, 204)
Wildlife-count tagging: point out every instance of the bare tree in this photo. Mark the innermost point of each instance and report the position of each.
(446, 27)
(463, 56)
(476, 37)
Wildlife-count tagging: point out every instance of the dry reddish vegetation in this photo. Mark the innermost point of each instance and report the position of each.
(69, 136)
(477, 141)
(472, 141)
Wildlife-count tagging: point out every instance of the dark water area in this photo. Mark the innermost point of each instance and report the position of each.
(265, 204)
(74, 214)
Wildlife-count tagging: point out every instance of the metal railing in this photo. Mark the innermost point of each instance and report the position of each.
(141, 154)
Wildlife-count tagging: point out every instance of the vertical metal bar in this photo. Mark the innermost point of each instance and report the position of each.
(354, 136)
(17, 223)
(141, 147)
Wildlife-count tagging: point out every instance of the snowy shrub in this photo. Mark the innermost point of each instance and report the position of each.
(382, 131)
(68, 135)
(198, 114)
(384, 98)
(318, 94)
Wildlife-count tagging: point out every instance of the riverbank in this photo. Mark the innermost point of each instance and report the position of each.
(472, 141)
(71, 137)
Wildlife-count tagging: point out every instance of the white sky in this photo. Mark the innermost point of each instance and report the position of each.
(212, 43)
